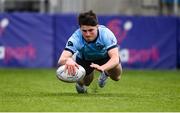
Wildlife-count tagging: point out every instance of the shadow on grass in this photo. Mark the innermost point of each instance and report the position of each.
(68, 94)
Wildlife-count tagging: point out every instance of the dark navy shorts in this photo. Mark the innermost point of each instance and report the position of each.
(86, 64)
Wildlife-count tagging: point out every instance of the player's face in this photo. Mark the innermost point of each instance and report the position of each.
(89, 32)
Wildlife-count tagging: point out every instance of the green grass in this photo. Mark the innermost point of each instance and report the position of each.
(30, 90)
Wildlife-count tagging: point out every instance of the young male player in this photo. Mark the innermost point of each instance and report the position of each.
(96, 48)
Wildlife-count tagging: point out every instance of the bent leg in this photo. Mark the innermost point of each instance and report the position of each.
(115, 73)
(87, 79)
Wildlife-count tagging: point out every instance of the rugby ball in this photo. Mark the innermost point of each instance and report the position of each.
(65, 77)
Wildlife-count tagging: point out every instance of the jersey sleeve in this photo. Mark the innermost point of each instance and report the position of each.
(72, 44)
(110, 40)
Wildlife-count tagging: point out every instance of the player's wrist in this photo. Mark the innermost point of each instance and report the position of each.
(101, 69)
(69, 60)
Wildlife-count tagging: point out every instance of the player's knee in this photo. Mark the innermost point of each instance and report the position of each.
(87, 83)
(116, 74)
(88, 79)
(116, 78)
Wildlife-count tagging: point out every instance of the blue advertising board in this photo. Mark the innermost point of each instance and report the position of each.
(26, 40)
(178, 43)
(145, 42)
(37, 40)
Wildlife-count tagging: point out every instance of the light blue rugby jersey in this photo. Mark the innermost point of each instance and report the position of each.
(94, 50)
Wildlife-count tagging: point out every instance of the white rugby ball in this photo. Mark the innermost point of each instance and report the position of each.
(65, 77)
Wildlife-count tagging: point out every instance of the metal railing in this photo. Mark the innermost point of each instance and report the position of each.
(124, 7)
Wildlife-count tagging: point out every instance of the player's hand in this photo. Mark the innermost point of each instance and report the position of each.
(97, 67)
(71, 66)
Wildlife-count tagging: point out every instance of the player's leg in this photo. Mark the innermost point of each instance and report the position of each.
(115, 73)
(87, 80)
(81, 85)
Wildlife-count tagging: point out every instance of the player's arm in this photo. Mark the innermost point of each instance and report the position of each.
(64, 57)
(67, 60)
(113, 61)
(110, 42)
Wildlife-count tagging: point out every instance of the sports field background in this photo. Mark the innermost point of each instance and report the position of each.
(30, 90)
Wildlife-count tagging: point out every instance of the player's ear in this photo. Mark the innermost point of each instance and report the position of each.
(97, 25)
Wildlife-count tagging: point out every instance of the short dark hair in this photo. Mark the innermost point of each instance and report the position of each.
(88, 18)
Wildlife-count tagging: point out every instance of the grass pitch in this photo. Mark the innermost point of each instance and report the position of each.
(38, 90)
